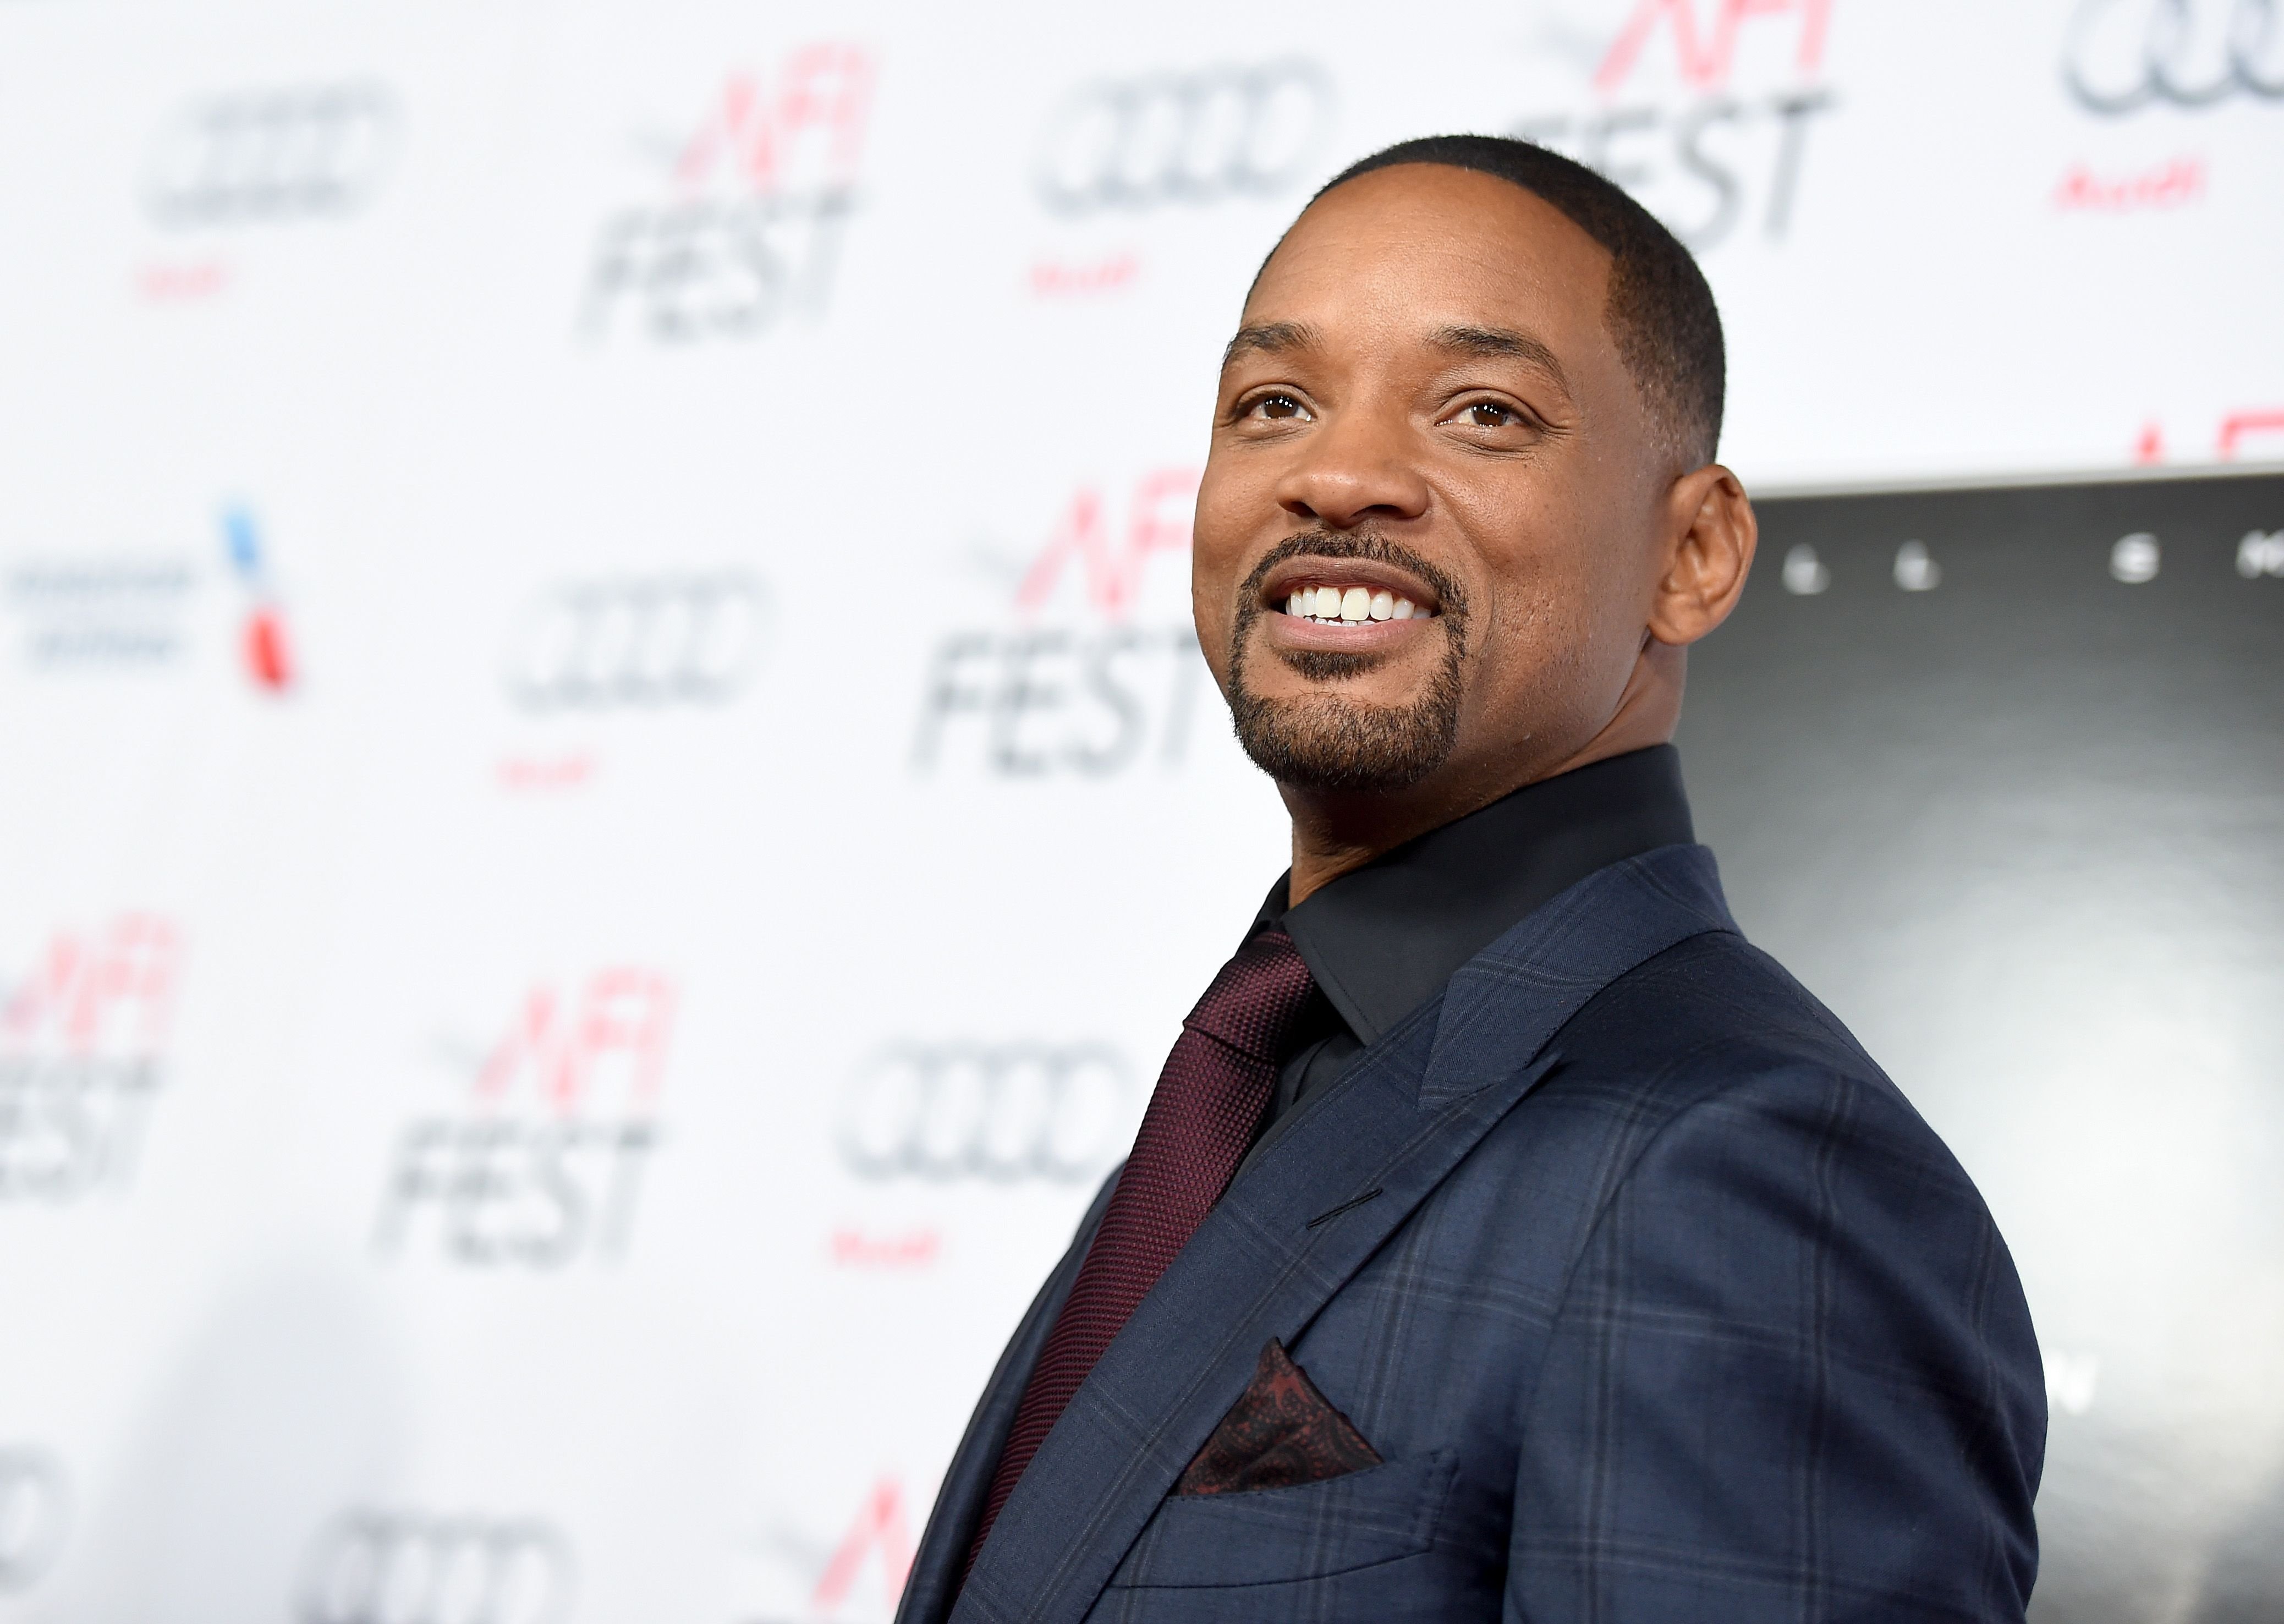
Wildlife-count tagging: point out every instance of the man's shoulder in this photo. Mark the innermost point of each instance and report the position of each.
(1713, 1022)
(1714, 999)
(1722, 1114)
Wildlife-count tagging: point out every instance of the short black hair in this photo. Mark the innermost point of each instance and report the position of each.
(1659, 310)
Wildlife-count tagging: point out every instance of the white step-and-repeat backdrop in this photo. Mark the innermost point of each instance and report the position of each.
(608, 804)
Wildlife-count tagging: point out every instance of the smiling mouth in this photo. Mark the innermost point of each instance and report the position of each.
(1336, 605)
(1318, 593)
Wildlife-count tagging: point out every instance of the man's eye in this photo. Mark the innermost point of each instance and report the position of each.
(1278, 407)
(1489, 414)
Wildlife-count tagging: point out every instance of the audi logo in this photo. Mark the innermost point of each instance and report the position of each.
(271, 155)
(2124, 54)
(593, 645)
(1183, 138)
(380, 1568)
(35, 1510)
(1001, 1112)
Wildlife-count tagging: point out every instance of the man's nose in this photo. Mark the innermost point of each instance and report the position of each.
(1357, 466)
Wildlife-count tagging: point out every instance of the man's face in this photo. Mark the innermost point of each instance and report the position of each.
(1429, 533)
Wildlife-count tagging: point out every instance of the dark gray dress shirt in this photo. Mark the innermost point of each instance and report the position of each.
(1383, 939)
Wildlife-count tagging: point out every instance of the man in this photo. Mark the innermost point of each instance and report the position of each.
(1506, 1237)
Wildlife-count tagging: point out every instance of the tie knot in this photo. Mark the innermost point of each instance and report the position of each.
(1253, 1002)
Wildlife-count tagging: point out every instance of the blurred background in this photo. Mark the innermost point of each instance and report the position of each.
(609, 805)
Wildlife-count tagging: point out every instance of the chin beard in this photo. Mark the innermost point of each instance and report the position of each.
(1326, 740)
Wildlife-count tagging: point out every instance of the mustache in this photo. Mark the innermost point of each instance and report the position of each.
(1451, 597)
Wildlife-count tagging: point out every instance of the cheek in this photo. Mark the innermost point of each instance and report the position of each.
(1216, 545)
(1225, 510)
(1549, 648)
(1221, 529)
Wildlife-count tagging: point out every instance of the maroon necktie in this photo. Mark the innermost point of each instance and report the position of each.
(1209, 1098)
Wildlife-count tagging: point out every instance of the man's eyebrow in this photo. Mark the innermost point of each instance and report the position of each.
(1501, 341)
(1270, 338)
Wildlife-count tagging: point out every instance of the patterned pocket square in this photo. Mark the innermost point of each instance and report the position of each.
(1281, 1433)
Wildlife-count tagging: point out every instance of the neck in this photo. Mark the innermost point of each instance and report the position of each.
(1335, 831)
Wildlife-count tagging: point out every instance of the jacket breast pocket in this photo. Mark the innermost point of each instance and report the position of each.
(1277, 1535)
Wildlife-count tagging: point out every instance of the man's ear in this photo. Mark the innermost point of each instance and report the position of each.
(1710, 535)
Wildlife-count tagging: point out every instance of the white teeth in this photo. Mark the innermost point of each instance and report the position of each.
(1335, 606)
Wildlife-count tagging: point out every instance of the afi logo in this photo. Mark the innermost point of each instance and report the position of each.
(1062, 700)
(269, 659)
(1711, 159)
(107, 994)
(859, 1572)
(807, 130)
(545, 1169)
(1111, 563)
(1705, 52)
(2236, 427)
(570, 1049)
(881, 1529)
(80, 1039)
(759, 197)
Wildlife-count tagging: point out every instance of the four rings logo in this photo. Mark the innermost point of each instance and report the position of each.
(2122, 55)
(271, 154)
(668, 639)
(35, 1512)
(1197, 137)
(383, 1568)
(1000, 1112)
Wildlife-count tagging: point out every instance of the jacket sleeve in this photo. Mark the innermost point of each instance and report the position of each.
(1793, 1376)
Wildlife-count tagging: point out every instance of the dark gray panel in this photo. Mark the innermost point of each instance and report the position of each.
(2024, 829)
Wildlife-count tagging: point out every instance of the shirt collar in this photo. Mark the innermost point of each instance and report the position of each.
(1382, 939)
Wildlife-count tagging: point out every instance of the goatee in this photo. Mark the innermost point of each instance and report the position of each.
(1324, 740)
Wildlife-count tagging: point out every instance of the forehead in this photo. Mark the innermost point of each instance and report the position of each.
(1418, 247)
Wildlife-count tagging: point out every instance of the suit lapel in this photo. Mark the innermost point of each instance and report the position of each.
(1307, 1215)
(933, 1582)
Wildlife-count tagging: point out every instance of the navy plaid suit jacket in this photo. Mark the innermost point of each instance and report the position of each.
(1663, 1305)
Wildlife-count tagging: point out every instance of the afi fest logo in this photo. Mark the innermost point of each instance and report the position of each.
(860, 1575)
(83, 1042)
(541, 1166)
(1082, 684)
(1703, 109)
(756, 199)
